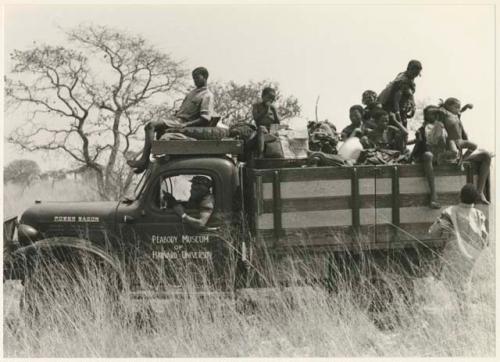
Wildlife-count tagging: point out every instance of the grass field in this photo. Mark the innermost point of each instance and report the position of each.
(296, 321)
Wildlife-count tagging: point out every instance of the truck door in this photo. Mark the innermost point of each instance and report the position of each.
(173, 251)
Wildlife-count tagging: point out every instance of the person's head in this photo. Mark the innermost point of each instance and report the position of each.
(200, 187)
(268, 95)
(381, 118)
(469, 194)
(356, 114)
(452, 105)
(368, 97)
(432, 114)
(414, 68)
(200, 76)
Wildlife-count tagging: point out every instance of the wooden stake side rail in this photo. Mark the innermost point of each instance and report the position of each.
(365, 207)
(199, 147)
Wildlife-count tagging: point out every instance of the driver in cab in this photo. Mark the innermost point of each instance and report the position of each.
(201, 199)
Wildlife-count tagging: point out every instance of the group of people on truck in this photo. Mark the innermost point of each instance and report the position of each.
(380, 125)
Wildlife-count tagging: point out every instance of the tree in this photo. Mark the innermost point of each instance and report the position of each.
(233, 101)
(21, 172)
(91, 103)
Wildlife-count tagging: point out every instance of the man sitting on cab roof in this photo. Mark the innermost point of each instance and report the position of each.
(197, 109)
(201, 199)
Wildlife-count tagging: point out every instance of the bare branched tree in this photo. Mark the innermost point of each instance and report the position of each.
(92, 103)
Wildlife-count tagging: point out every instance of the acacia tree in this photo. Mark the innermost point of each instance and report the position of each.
(21, 172)
(91, 103)
(233, 101)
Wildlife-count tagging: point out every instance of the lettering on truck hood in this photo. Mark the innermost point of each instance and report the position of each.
(70, 212)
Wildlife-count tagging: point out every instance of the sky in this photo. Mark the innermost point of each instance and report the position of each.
(331, 51)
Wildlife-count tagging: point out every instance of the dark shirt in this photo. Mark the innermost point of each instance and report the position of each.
(347, 131)
(368, 121)
(264, 115)
(407, 87)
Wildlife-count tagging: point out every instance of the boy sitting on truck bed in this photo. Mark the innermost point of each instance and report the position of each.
(431, 147)
(457, 140)
(380, 136)
(356, 117)
(196, 110)
(265, 114)
(369, 99)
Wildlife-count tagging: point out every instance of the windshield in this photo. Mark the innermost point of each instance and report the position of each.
(140, 184)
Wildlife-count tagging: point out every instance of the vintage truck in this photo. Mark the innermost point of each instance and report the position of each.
(271, 216)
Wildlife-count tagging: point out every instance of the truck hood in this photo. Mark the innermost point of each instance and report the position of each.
(70, 212)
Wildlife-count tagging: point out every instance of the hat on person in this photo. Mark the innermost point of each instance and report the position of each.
(202, 180)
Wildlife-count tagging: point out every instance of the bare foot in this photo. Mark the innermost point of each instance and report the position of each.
(435, 205)
(483, 199)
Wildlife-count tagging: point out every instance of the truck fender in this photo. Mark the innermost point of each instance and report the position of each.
(71, 243)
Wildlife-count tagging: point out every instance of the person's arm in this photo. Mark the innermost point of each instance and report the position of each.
(442, 224)
(400, 127)
(484, 232)
(395, 103)
(464, 134)
(259, 110)
(196, 223)
(275, 113)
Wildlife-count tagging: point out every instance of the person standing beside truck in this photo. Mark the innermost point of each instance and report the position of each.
(200, 199)
(196, 110)
(465, 227)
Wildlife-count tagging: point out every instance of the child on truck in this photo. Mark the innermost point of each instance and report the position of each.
(431, 147)
(458, 140)
(467, 237)
(382, 136)
(265, 115)
(356, 118)
(369, 99)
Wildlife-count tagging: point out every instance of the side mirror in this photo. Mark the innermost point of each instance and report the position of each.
(127, 219)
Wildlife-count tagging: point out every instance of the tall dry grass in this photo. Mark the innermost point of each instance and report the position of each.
(81, 320)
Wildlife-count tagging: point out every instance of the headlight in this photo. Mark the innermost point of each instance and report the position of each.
(27, 234)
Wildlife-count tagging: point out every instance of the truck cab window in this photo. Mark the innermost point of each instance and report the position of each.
(191, 197)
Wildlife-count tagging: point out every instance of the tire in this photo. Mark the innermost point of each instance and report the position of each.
(58, 279)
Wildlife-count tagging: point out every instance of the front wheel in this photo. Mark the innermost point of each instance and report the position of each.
(61, 282)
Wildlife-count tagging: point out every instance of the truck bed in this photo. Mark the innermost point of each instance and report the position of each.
(347, 208)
